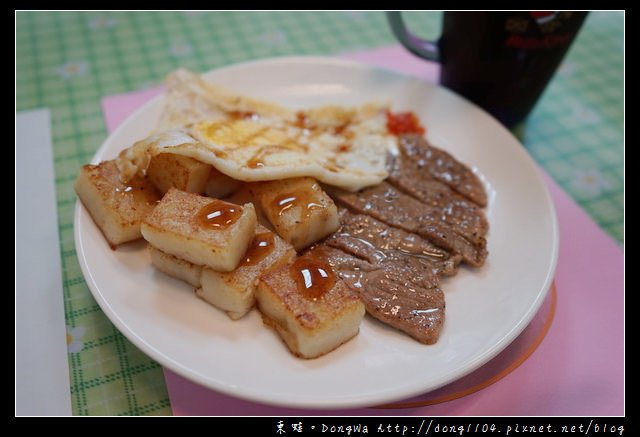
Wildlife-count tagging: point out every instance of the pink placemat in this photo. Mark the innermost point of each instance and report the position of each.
(568, 362)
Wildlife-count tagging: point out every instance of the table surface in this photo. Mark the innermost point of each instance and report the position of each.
(67, 61)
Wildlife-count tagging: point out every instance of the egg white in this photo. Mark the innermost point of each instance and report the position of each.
(252, 140)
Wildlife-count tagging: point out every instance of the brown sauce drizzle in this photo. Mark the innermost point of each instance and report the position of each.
(303, 197)
(218, 214)
(131, 186)
(259, 248)
(257, 160)
(302, 122)
(238, 115)
(214, 128)
(313, 276)
(128, 189)
(220, 154)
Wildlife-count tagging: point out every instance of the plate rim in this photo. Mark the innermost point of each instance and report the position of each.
(352, 402)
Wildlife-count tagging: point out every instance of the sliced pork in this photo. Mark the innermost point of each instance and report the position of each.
(420, 161)
(390, 205)
(398, 238)
(393, 291)
(374, 240)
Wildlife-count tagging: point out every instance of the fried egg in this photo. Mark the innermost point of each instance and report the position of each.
(251, 140)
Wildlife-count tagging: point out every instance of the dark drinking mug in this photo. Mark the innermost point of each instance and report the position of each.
(501, 61)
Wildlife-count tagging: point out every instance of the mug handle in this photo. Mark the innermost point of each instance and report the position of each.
(418, 46)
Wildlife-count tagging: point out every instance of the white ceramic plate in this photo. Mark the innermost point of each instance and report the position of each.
(486, 308)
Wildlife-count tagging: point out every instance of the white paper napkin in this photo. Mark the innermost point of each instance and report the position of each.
(42, 369)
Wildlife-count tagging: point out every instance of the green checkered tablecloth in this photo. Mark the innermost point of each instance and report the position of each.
(67, 61)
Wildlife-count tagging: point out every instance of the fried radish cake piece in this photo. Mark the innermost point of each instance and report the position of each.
(200, 229)
(298, 209)
(175, 267)
(167, 170)
(116, 207)
(310, 307)
(234, 291)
